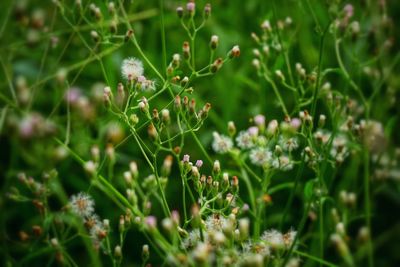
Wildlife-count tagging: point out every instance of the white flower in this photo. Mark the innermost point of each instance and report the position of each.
(131, 68)
(289, 144)
(260, 156)
(192, 239)
(245, 140)
(221, 143)
(283, 163)
(273, 238)
(82, 204)
(214, 222)
(146, 85)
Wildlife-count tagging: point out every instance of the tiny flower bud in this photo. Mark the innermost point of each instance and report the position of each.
(280, 75)
(216, 65)
(207, 11)
(217, 167)
(145, 252)
(134, 119)
(199, 163)
(95, 36)
(184, 81)
(165, 116)
(321, 121)
(186, 50)
(214, 42)
(118, 252)
(177, 102)
(128, 35)
(235, 52)
(231, 128)
(179, 11)
(191, 8)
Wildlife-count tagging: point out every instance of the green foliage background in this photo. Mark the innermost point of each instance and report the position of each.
(236, 93)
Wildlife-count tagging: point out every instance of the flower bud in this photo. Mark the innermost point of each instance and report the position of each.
(235, 52)
(186, 50)
(216, 65)
(231, 128)
(179, 11)
(191, 8)
(118, 252)
(207, 11)
(214, 42)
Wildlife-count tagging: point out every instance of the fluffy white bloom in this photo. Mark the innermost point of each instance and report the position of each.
(82, 204)
(192, 239)
(245, 140)
(214, 222)
(283, 163)
(273, 238)
(131, 68)
(221, 143)
(289, 144)
(260, 156)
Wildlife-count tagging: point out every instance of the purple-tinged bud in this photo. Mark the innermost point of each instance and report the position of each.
(199, 163)
(151, 223)
(207, 11)
(191, 8)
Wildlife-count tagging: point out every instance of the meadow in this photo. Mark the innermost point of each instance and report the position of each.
(199, 133)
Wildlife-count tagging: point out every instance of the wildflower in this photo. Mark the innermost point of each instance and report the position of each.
(259, 120)
(145, 84)
(260, 156)
(273, 238)
(221, 144)
(82, 204)
(118, 252)
(191, 7)
(199, 163)
(179, 11)
(283, 163)
(244, 140)
(151, 222)
(131, 69)
(235, 52)
(98, 231)
(272, 127)
(214, 42)
(253, 131)
(289, 144)
(207, 11)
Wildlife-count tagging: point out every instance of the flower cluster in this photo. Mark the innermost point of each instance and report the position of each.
(82, 205)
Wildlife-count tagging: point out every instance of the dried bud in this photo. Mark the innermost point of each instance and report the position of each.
(177, 103)
(186, 50)
(128, 35)
(216, 65)
(235, 52)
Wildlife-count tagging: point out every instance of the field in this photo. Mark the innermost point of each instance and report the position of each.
(199, 133)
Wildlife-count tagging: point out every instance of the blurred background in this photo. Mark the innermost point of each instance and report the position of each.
(46, 51)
